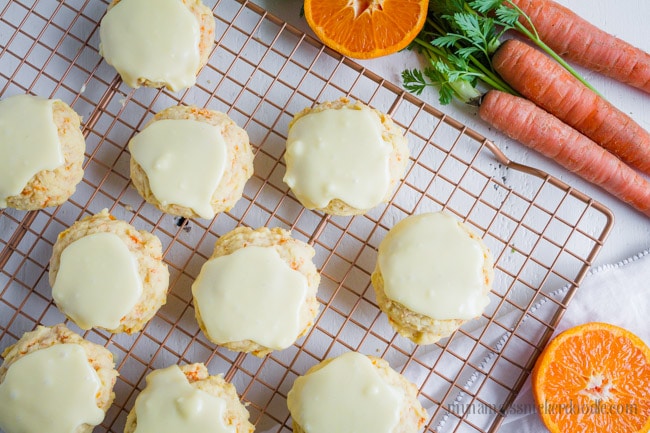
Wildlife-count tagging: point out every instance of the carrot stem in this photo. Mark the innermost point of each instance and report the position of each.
(433, 54)
(537, 40)
(582, 43)
(468, 31)
(484, 73)
(540, 43)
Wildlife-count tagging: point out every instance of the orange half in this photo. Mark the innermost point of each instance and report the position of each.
(366, 29)
(594, 378)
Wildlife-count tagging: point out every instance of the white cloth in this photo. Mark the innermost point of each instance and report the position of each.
(618, 294)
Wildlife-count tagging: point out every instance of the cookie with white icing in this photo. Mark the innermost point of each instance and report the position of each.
(432, 275)
(157, 43)
(107, 274)
(355, 392)
(188, 399)
(41, 152)
(191, 162)
(257, 292)
(343, 157)
(52, 379)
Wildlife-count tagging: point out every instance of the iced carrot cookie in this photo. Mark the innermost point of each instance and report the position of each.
(106, 274)
(157, 43)
(187, 399)
(355, 393)
(257, 293)
(52, 380)
(191, 162)
(432, 275)
(41, 152)
(343, 157)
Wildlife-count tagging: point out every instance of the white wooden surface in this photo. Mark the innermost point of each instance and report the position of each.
(626, 19)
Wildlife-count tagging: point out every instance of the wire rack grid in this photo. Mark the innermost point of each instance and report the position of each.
(543, 234)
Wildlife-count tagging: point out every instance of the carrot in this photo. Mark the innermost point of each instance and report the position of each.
(540, 79)
(553, 138)
(583, 43)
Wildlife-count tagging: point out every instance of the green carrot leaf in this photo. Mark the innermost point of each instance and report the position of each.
(507, 16)
(440, 7)
(436, 75)
(414, 81)
(469, 25)
(448, 40)
(458, 40)
(446, 94)
(484, 6)
(467, 52)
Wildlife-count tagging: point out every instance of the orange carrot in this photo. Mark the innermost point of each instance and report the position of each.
(525, 122)
(539, 78)
(581, 42)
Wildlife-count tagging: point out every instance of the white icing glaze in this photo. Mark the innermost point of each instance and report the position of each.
(98, 281)
(433, 267)
(50, 390)
(346, 395)
(251, 294)
(29, 142)
(157, 40)
(338, 154)
(169, 404)
(184, 161)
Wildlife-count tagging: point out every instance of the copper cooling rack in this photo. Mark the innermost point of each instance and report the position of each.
(544, 235)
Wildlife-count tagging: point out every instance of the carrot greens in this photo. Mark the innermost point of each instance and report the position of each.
(458, 41)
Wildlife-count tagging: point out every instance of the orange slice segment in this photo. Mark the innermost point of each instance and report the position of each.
(594, 378)
(366, 29)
